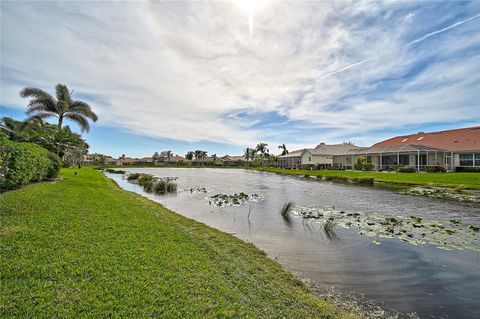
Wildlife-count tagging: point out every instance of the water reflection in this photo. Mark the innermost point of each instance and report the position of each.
(426, 280)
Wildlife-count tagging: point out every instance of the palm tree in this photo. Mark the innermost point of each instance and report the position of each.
(155, 157)
(168, 155)
(283, 148)
(43, 105)
(189, 155)
(262, 148)
(247, 153)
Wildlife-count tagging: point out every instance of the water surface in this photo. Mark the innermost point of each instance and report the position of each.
(423, 279)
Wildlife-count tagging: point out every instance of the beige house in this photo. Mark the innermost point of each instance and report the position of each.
(321, 156)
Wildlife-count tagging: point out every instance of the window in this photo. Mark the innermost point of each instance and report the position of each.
(309, 158)
(404, 159)
(466, 159)
(477, 159)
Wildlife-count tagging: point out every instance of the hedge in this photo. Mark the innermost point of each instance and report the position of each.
(467, 169)
(21, 163)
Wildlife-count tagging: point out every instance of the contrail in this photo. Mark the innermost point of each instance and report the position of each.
(426, 36)
(443, 30)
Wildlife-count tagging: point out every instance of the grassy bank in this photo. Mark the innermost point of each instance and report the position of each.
(466, 180)
(82, 247)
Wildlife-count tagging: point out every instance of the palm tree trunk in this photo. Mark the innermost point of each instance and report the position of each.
(60, 121)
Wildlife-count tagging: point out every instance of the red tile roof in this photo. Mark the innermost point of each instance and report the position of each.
(464, 139)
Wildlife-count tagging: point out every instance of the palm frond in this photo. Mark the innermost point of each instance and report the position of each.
(63, 94)
(80, 120)
(83, 109)
(38, 116)
(37, 94)
(37, 105)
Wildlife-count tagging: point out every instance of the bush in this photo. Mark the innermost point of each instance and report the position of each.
(403, 169)
(22, 163)
(54, 169)
(467, 169)
(435, 169)
(368, 166)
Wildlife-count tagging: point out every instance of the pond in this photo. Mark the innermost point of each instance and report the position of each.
(401, 276)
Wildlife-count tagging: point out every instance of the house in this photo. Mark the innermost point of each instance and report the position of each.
(322, 156)
(136, 161)
(176, 160)
(452, 149)
(234, 160)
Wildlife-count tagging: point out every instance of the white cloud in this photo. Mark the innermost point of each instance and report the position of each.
(178, 69)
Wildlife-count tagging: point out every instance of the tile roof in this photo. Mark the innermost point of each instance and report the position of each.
(464, 139)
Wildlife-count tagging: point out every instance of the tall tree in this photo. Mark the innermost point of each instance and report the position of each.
(168, 154)
(189, 155)
(42, 105)
(199, 154)
(283, 148)
(247, 154)
(262, 148)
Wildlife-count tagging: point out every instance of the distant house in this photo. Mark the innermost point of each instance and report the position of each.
(176, 160)
(452, 149)
(136, 161)
(322, 156)
(208, 160)
(234, 160)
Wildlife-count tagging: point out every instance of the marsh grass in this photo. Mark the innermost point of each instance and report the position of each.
(285, 210)
(133, 176)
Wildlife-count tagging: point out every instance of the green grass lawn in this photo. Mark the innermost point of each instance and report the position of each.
(466, 180)
(83, 248)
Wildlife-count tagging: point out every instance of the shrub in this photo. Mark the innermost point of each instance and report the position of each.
(22, 163)
(403, 169)
(467, 169)
(368, 166)
(56, 164)
(435, 169)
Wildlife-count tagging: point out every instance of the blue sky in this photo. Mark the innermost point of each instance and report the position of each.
(191, 75)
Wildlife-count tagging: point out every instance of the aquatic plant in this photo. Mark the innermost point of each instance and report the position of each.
(153, 184)
(237, 199)
(457, 195)
(285, 210)
(114, 171)
(415, 230)
(145, 179)
(133, 176)
(364, 180)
